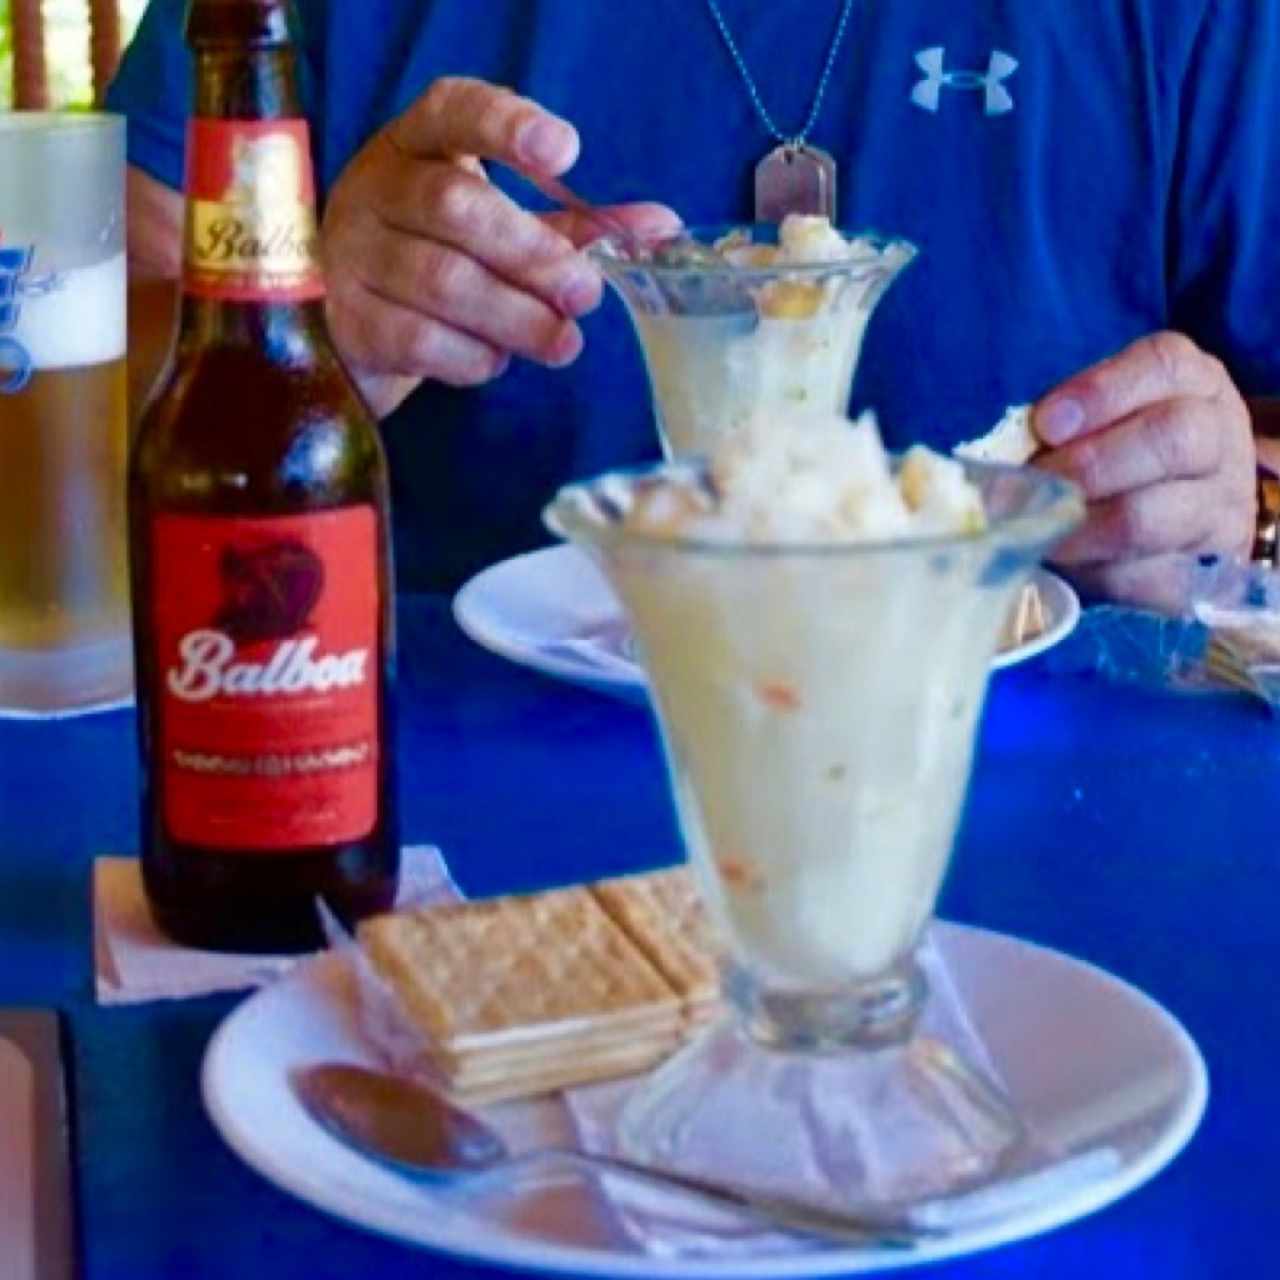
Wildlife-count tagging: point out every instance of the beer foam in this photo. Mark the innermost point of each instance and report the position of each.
(79, 321)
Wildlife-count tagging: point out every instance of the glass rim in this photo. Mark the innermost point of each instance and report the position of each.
(1063, 509)
(36, 123)
(610, 255)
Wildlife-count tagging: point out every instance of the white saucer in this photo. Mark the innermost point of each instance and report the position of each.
(1089, 1062)
(553, 610)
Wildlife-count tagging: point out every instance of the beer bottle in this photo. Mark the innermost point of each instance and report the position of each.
(259, 544)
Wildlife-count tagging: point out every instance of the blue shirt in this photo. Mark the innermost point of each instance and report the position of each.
(1130, 181)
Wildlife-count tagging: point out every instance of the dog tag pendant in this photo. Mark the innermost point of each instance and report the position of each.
(795, 178)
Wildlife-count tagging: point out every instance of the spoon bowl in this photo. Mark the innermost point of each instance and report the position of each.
(397, 1121)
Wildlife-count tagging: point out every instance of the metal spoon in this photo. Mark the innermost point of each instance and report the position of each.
(603, 221)
(414, 1132)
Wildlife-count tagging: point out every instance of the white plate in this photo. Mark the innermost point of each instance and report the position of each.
(553, 610)
(1087, 1060)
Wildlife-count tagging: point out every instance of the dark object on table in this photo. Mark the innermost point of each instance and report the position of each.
(36, 1215)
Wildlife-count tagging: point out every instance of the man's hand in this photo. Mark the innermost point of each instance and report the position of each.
(1160, 441)
(155, 262)
(433, 272)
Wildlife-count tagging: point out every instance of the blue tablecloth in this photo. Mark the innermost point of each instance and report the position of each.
(1133, 828)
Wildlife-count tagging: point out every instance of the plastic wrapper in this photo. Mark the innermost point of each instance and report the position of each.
(1134, 647)
(1226, 636)
(1238, 606)
(383, 1025)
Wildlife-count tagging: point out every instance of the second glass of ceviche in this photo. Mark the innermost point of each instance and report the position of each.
(735, 319)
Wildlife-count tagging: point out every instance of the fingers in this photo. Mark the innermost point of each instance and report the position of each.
(446, 285)
(449, 206)
(1189, 516)
(433, 272)
(1168, 440)
(1155, 520)
(644, 220)
(383, 342)
(525, 304)
(1163, 366)
(1159, 440)
(463, 117)
(454, 204)
(377, 335)
(1160, 583)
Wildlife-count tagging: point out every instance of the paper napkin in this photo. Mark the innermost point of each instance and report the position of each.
(135, 962)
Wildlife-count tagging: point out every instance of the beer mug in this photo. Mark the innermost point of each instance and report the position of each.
(64, 599)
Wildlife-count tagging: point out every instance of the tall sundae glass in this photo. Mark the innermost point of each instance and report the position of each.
(733, 320)
(818, 697)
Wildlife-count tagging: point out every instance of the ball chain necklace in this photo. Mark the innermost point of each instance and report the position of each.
(796, 176)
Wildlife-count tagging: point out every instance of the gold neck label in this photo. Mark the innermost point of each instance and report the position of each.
(251, 223)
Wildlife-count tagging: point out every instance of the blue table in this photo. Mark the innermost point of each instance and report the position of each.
(1132, 828)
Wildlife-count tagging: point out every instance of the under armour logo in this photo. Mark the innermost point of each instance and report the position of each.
(933, 62)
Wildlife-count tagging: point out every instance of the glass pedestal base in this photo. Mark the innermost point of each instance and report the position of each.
(885, 1126)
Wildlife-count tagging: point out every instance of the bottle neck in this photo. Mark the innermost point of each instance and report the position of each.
(235, 81)
(251, 272)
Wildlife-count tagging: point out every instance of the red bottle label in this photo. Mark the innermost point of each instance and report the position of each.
(268, 672)
(251, 221)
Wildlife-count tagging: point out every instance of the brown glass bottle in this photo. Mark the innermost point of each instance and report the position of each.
(259, 544)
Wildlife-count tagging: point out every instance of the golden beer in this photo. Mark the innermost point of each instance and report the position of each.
(63, 576)
(64, 597)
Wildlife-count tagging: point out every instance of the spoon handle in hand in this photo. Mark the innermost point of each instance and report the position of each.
(601, 219)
